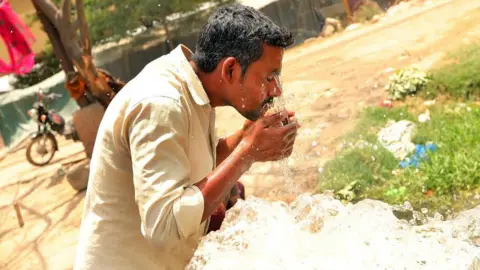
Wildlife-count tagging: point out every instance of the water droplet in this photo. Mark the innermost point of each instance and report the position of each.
(320, 170)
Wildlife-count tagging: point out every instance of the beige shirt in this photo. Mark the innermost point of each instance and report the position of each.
(156, 140)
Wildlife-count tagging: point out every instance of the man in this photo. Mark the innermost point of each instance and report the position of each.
(157, 171)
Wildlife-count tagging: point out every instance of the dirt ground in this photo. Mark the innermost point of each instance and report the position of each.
(327, 82)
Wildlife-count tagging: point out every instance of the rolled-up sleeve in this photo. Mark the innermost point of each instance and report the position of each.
(170, 208)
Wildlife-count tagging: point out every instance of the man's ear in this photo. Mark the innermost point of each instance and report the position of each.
(229, 69)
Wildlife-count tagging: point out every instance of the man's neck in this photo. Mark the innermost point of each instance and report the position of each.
(211, 86)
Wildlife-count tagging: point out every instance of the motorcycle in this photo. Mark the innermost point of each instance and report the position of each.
(44, 142)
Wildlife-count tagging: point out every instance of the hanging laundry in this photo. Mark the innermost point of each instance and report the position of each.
(18, 39)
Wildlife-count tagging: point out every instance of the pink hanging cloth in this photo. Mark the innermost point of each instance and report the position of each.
(18, 39)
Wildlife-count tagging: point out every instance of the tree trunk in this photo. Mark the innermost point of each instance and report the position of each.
(77, 47)
(59, 50)
(73, 43)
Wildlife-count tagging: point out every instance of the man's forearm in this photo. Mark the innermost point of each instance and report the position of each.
(226, 146)
(217, 185)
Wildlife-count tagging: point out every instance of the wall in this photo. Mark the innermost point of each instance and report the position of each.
(299, 16)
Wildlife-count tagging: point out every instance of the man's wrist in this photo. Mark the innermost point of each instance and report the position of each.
(243, 151)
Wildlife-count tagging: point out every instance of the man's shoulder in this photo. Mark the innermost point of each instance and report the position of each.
(157, 81)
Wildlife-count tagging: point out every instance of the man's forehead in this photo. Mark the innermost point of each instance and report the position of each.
(272, 56)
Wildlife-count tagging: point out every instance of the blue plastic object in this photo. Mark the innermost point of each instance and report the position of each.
(419, 155)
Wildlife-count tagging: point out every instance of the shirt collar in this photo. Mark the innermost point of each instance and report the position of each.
(184, 55)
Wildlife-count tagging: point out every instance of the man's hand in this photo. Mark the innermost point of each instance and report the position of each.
(267, 139)
(291, 117)
(262, 140)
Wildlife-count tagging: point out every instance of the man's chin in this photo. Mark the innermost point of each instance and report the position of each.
(251, 115)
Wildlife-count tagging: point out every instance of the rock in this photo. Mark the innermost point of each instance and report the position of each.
(331, 26)
(429, 103)
(353, 26)
(402, 7)
(376, 19)
(402, 213)
(319, 232)
(397, 138)
(335, 23)
(424, 117)
(77, 175)
(327, 30)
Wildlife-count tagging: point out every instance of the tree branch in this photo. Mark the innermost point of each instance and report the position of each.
(76, 25)
(55, 39)
(66, 6)
(49, 9)
(84, 34)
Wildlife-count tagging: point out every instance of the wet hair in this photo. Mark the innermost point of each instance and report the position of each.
(237, 31)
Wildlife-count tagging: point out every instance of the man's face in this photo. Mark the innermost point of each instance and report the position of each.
(254, 91)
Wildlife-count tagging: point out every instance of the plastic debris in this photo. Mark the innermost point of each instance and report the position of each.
(420, 154)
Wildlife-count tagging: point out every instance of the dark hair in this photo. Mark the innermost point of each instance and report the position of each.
(237, 31)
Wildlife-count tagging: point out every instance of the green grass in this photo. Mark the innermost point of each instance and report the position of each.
(459, 76)
(373, 117)
(362, 158)
(450, 177)
(452, 171)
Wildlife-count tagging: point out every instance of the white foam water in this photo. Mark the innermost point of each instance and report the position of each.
(319, 232)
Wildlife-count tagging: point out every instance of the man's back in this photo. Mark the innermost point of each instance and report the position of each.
(154, 120)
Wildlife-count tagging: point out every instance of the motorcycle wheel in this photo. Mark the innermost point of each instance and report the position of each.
(45, 146)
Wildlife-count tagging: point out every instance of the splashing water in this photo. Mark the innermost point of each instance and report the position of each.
(279, 104)
(319, 232)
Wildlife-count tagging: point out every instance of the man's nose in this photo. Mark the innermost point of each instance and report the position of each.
(276, 89)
